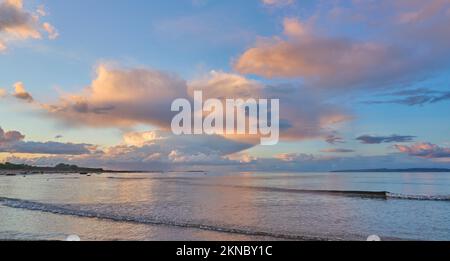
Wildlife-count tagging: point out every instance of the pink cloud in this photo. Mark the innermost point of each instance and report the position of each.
(326, 59)
(126, 97)
(121, 97)
(424, 150)
(10, 136)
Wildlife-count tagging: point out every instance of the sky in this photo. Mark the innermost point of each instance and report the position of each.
(361, 83)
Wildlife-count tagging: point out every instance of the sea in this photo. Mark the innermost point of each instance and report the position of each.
(192, 206)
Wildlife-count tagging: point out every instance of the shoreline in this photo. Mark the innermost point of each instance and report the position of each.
(230, 231)
(47, 172)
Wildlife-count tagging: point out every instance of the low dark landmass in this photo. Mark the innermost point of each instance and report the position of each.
(395, 170)
(14, 169)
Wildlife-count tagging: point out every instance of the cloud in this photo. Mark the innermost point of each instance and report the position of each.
(13, 142)
(2, 46)
(277, 3)
(10, 136)
(330, 62)
(368, 139)
(21, 93)
(160, 147)
(415, 97)
(242, 157)
(17, 23)
(334, 150)
(139, 139)
(131, 158)
(121, 97)
(292, 157)
(334, 60)
(126, 97)
(32, 147)
(207, 144)
(3, 92)
(303, 114)
(303, 54)
(308, 162)
(293, 27)
(422, 12)
(222, 85)
(156, 150)
(51, 30)
(333, 139)
(424, 150)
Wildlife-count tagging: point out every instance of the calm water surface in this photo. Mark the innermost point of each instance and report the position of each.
(232, 206)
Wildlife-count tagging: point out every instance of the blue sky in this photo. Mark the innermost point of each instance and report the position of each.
(356, 68)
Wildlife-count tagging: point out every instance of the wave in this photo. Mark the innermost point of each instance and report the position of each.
(69, 210)
(344, 193)
(351, 193)
(348, 193)
(78, 211)
(417, 197)
(385, 195)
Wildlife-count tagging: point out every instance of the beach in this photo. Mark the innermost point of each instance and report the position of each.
(226, 206)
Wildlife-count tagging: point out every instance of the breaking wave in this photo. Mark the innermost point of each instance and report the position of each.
(71, 210)
(417, 197)
(344, 193)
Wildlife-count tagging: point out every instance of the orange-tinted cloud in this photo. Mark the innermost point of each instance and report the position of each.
(334, 59)
(21, 93)
(120, 97)
(3, 92)
(325, 61)
(17, 23)
(303, 114)
(51, 30)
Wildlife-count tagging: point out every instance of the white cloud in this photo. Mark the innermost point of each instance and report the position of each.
(277, 3)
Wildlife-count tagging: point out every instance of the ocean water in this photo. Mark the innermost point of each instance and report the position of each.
(230, 206)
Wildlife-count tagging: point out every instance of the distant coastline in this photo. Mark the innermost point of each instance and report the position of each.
(10, 169)
(395, 170)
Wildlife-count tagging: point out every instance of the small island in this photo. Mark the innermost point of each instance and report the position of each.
(415, 170)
